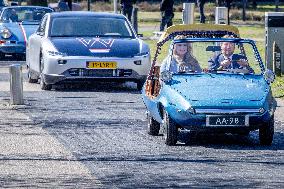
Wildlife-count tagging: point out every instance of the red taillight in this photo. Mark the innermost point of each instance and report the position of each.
(2, 41)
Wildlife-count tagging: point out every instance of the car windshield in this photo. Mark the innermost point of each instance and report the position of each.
(90, 27)
(197, 56)
(23, 14)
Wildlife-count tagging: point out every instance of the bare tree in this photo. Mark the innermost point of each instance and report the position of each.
(37, 2)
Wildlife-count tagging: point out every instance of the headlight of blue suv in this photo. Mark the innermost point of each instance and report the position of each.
(5, 33)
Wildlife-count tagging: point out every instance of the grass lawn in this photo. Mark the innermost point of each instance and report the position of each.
(250, 30)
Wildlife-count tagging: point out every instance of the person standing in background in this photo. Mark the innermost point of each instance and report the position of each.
(167, 13)
(201, 10)
(127, 7)
(69, 3)
(62, 5)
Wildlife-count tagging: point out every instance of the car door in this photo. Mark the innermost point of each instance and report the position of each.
(35, 42)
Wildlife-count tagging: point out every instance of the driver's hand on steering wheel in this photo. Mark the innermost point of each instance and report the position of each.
(225, 63)
(243, 62)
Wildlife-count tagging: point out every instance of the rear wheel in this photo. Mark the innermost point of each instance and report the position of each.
(170, 129)
(153, 126)
(266, 132)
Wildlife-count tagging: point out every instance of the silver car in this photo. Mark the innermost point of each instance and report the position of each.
(86, 47)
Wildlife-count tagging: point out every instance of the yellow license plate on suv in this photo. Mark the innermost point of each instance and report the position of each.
(101, 65)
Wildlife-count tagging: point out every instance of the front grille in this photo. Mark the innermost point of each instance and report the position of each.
(100, 72)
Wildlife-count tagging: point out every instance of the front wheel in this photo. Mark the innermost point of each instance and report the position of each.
(30, 79)
(153, 126)
(170, 129)
(266, 132)
(42, 83)
(44, 86)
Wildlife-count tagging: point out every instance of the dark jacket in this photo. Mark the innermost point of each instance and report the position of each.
(63, 6)
(127, 2)
(167, 5)
(214, 63)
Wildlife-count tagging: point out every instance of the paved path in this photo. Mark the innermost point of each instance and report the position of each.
(52, 148)
(29, 155)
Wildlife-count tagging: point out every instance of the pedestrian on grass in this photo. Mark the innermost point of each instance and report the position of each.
(201, 10)
(167, 13)
(127, 8)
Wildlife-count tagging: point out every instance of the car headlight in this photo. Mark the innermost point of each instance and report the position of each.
(55, 53)
(269, 76)
(261, 110)
(191, 110)
(166, 76)
(5, 33)
(142, 54)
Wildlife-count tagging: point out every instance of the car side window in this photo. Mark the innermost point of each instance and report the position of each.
(41, 28)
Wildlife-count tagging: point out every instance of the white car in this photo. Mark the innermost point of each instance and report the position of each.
(86, 47)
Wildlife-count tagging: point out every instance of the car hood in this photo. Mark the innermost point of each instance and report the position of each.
(21, 32)
(214, 90)
(99, 47)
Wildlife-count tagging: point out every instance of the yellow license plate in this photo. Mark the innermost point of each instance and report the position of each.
(102, 65)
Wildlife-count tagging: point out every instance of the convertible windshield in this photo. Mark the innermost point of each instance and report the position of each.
(90, 27)
(23, 14)
(224, 57)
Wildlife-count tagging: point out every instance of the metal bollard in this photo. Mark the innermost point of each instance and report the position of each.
(16, 85)
(188, 13)
(134, 19)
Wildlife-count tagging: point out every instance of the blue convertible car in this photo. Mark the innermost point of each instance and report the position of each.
(17, 23)
(210, 96)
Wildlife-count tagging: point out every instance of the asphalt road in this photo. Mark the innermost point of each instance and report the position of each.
(95, 137)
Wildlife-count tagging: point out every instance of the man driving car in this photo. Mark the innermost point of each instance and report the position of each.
(228, 60)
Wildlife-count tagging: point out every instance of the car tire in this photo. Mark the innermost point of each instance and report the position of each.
(266, 132)
(153, 126)
(42, 83)
(30, 79)
(45, 86)
(170, 129)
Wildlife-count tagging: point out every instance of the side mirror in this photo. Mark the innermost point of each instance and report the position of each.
(140, 35)
(166, 76)
(269, 76)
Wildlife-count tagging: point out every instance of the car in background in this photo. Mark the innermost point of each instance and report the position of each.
(234, 101)
(17, 23)
(2, 4)
(86, 47)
